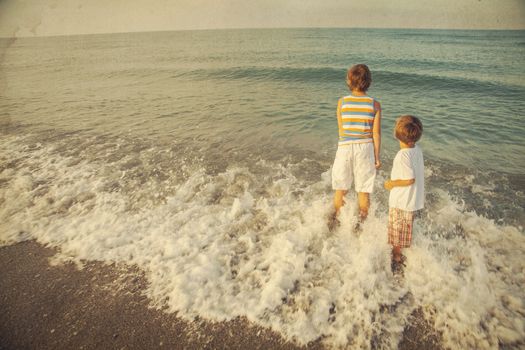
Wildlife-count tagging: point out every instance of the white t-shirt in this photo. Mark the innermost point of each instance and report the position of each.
(408, 164)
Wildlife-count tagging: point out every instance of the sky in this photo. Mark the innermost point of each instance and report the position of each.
(20, 18)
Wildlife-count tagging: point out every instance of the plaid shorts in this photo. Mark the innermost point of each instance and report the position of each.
(400, 223)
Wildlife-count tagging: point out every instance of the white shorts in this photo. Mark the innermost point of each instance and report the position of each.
(354, 162)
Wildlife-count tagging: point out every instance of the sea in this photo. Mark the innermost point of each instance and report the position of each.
(204, 158)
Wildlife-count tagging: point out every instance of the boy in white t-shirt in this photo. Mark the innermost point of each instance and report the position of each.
(406, 186)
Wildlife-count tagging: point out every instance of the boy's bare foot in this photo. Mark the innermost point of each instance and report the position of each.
(333, 222)
(397, 264)
(397, 268)
(358, 227)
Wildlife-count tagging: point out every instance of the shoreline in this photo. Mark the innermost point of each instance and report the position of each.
(102, 306)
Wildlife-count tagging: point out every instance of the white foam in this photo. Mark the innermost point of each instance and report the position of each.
(241, 244)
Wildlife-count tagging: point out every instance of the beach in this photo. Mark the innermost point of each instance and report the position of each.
(103, 307)
(189, 173)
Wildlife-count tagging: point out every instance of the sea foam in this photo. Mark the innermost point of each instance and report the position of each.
(254, 243)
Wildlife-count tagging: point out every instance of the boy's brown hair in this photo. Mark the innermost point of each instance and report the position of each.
(408, 129)
(359, 77)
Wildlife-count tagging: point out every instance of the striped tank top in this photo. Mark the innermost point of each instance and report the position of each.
(357, 117)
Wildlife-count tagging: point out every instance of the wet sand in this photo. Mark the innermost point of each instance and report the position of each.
(100, 306)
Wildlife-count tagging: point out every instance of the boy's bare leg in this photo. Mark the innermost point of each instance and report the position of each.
(397, 261)
(339, 200)
(364, 203)
(396, 254)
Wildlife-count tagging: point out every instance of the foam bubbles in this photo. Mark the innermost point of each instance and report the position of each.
(253, 242)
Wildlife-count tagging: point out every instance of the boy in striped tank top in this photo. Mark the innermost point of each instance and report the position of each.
(357, 157)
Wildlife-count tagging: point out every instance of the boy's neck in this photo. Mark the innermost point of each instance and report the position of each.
(358, 93)
(406, 145)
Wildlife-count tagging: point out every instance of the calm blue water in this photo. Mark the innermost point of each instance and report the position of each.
(134, 147)
(280, 86)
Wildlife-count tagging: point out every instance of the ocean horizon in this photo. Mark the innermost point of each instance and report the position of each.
(266, 28)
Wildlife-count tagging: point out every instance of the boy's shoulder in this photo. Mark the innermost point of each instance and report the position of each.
(418, 150)
(408, 153)
(366, 99)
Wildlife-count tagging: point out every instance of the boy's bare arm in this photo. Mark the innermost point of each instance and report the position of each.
(390, 184)
(339, 119)
(377, 134)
